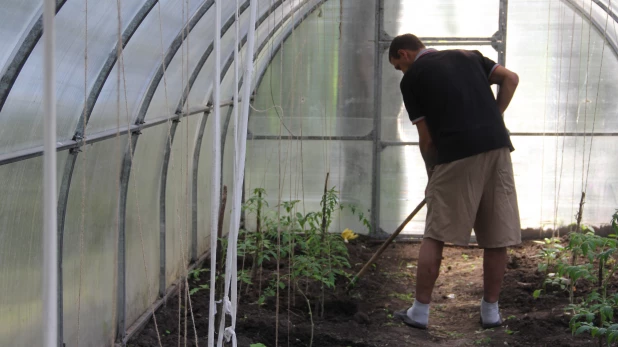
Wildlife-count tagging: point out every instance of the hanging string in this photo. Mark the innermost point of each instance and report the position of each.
(586, 97)
(596, 102)
(558, 101)
(566, 113)
(82, 225)
(545, 113)
(581, 35)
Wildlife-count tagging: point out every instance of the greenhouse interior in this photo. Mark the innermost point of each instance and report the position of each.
(246, 173)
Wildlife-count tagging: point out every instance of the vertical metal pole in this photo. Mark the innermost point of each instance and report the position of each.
(50, 237)
(377, 89)
(504, 8)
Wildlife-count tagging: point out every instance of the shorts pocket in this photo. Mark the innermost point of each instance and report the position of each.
(507, 183)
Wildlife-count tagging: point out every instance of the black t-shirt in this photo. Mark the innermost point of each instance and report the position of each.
(450, 89)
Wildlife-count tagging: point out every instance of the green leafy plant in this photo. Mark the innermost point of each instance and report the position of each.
(257, 345)
(595, 313)
(549, 254)
(198, 288)
(317, 258)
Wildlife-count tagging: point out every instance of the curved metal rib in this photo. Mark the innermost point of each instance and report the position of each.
(21, 55)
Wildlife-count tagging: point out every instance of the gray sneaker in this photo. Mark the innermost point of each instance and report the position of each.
(403, 316)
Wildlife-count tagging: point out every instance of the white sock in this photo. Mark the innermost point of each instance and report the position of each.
(419, 312)
(490, 313)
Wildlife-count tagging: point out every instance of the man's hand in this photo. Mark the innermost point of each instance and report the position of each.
(508, 81)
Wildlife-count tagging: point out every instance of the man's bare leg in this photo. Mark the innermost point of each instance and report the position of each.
(494, 267)
(429, 260)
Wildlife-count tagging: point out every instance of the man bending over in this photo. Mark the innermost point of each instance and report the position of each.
(467, 152)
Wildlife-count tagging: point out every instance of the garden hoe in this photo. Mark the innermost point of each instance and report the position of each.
(386, 243)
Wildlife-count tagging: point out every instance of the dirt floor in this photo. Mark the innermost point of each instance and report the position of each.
(363, 318)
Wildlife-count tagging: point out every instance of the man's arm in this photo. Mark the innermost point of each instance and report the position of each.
(508, 81)
(428, 150)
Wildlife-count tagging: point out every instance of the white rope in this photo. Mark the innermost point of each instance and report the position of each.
(215, 172)
(240, 141)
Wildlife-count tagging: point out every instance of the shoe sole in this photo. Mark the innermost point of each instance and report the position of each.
(403, 316)
(491, 325)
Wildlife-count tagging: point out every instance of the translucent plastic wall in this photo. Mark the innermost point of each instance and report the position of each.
(353, 124)
(135, 142)
(135, 133)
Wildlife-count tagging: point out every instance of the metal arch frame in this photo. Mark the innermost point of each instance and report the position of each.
(166, 160)
(194, 218)
(142, 320)
(95, 91)
(127, 160)
(599, 26)
(18, 58)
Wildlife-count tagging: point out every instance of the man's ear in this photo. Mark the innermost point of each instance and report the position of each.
(402, 53)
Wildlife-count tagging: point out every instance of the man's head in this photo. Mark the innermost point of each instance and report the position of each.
(403, 51)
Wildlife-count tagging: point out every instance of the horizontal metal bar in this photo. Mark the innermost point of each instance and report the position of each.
(97, 137)
(206, 108)
(141, 322)
(450, 40)
(567, 134)
(385, 144)
(367, 137)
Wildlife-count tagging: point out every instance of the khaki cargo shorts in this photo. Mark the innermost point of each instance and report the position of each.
(475, 192)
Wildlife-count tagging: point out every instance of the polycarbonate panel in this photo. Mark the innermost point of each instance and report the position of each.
(204, 188)
(178, 199)
(142, 221)
(441, 18)
(304, 80)
(23, 112)
(560, 89)
(549, 187)
(21, 255)
(403, 179)
(93, 206)
(15, 20)
(278, 167)
(142, 57)
(198, 94)
(396, 125)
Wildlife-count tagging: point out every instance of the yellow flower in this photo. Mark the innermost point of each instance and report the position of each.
(347, 235)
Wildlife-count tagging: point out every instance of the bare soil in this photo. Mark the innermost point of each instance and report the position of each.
(363, 317)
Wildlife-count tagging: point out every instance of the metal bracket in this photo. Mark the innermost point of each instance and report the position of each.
(497, 41)
(380, 234)
(384, 36)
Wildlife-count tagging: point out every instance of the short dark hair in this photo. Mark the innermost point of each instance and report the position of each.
(406, 41)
